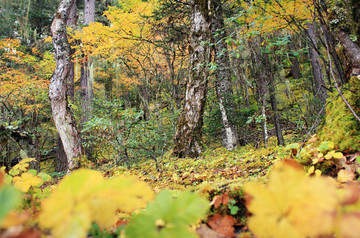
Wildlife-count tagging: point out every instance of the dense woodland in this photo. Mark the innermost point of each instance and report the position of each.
(180, 118)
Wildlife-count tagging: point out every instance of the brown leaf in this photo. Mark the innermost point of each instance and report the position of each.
(351, 193)
(223, 224)
(222, 199)
(345, 176)
(205, 232)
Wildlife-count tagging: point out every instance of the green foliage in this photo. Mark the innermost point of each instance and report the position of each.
(125, 135)
(167, 216)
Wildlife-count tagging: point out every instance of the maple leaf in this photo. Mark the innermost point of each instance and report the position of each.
(85, 196)
(282, 208)
(223, 224)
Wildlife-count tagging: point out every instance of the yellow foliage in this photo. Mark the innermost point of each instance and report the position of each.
(292, 204)
(268, 16)
(25, 181)
(85, 197)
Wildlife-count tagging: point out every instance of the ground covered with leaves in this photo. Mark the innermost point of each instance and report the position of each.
(265, 192)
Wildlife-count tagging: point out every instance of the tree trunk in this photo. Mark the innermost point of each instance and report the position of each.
(320, 91)
(223, 78)
(352, 50)
(295, 65)
(86, 68)
(278, 129)
(187, 141)
(64, 120)
(61, 160)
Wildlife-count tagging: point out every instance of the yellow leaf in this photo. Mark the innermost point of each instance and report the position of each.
(345, 176)
(311, 170)
(338, 155)
(330, 154)
(27, 160)
(318, 173)
(282, 208)
(85, 196)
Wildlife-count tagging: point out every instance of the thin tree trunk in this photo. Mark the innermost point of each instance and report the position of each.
(223, 78)
(295, 65)
(278, 129)
(64, 120)
(187, 141)
(86, 68)
(320, 91)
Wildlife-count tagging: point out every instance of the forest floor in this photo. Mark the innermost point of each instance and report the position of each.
(220, 175)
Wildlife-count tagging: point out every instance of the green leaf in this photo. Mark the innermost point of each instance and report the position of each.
(9, 198)
(358, 159)
(167, 216)
(23, 154)
(32, 171)
(233, 209)
(44, 176)
(14, 172)
(293, 146)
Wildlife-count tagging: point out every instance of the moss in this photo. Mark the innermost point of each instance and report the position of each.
(341, 127)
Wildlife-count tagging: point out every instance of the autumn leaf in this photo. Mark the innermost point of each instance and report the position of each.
(345, 176)
(222, 199)
(223, 224)
(282, 207)
(85, 196)
(25, 181)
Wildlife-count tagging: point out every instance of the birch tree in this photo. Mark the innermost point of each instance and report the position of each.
(187, 141)
(58, 95)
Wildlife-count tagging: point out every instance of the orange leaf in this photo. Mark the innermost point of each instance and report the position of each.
(223, 224)
(222, 199)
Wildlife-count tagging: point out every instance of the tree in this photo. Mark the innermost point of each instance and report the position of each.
(187, 141)
(62, 115)
(86, 67)
(223, 78)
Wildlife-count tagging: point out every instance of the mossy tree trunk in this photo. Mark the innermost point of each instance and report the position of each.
(187, 141)
(223, 78)
(64, 120)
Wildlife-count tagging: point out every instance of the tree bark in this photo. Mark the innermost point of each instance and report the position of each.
(86, 83)
(273, 101)
(352, 51)
(295, 65)
(187, 140)
(64, 120)
(223, 78)
(319, 92)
